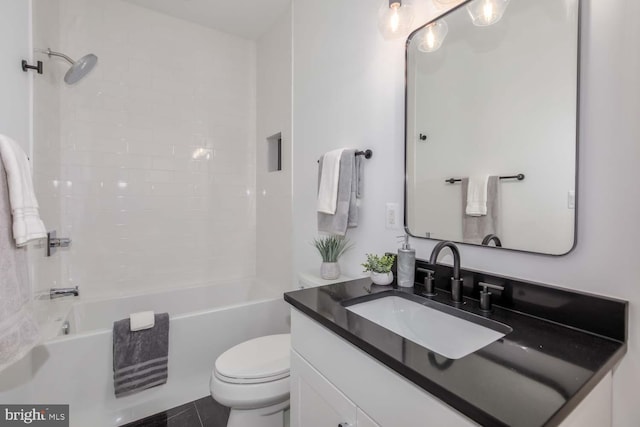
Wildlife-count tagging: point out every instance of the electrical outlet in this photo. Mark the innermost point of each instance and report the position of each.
(392, 213)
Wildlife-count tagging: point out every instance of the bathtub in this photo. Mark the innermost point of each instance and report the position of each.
(76, 369)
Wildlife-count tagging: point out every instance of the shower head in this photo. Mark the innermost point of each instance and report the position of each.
(79, 68)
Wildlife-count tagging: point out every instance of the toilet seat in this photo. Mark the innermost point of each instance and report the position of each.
(260, 360)
(232, 380)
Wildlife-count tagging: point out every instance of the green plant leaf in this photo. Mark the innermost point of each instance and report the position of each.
(332, 247)
(379, 264)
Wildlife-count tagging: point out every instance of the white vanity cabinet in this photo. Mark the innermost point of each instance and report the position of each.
(335, 384)
(363, 420)
(315, 402)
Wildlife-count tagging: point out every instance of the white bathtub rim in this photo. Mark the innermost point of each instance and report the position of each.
(93, 332)
(166, 289)
(54, 313)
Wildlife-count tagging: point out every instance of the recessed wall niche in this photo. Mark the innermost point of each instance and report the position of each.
(274, 152)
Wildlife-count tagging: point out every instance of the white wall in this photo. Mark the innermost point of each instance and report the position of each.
(157, 152)
(15, 45)
(46, 272)
(273, 189)
(348, 90)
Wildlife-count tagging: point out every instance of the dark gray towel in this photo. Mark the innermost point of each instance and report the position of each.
(359, 177)
(346, 207)
(140, 357)
(474, 228)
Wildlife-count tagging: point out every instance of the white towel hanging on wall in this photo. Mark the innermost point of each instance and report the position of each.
(328, 190)
(27, 224)
(19, 332)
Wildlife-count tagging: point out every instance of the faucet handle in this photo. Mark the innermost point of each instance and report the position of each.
(487, 286)
(485, 295)
(428, 272)
(429, 281)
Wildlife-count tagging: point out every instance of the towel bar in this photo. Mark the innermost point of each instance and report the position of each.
(366, 153)
(519, 177)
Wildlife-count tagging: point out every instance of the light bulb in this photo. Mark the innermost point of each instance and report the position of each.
(486, 12)
(395, 18)
(430, 39)
(432, 36)
(394, 22)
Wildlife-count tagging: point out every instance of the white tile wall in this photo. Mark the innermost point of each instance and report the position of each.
(46, 272)
(273, 203)
(157, 153)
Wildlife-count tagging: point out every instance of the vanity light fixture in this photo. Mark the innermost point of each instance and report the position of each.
(395, 18)
(486, 12)
(433, 36)
(445, 4)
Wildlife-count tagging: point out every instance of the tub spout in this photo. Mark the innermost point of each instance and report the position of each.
(63, 292)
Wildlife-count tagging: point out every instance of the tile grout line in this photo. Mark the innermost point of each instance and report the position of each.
(197, 413)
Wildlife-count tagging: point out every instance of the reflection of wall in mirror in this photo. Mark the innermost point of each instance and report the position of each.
(529, 128)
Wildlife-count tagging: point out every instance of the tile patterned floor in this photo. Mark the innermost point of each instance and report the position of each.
(204, 412)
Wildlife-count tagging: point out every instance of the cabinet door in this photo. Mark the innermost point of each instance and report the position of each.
(365, 421)
(595, 410)
(315, 402)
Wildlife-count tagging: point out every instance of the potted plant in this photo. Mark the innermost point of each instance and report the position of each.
(380, 268)
(331, 249)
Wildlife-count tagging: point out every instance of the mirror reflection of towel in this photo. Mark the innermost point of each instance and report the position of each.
(476, 203)
(474, 228)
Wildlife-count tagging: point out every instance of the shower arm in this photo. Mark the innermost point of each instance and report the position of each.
(61, 55)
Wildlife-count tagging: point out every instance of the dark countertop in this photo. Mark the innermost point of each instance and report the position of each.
(534, 376)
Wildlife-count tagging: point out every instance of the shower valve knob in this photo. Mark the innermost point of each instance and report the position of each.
(60, 242)
(54, 242)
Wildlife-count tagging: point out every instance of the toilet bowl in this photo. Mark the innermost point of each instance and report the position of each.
(252, 379)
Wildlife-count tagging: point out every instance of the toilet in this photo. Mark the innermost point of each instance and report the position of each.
(252, 379)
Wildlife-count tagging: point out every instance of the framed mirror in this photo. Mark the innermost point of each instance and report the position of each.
(491, 125)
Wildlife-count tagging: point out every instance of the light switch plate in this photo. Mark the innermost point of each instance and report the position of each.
(392, 216)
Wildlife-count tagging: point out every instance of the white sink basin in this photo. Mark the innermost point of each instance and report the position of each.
(433, 329)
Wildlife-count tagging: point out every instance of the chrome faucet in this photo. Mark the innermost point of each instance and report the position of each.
(456, 282)
(63, 292)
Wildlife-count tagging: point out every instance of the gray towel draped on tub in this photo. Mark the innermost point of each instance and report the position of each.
(475, 228)
(350, 188)
(140, 358)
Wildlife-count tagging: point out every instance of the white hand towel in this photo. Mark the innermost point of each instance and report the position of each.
(27, 224)
(328, 191)
(477, 196)
(142, 320)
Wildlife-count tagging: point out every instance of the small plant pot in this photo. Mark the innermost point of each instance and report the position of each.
(329, 270)
(382, 278)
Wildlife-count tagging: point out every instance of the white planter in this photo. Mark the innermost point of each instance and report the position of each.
(382, 278)
(329, 270)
